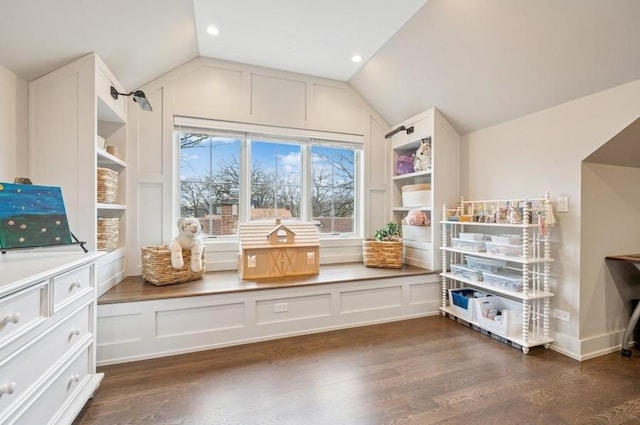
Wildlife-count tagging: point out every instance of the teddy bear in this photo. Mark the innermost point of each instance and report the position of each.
(422, 157)
(404, 164)
(189, 230)
(417, 218)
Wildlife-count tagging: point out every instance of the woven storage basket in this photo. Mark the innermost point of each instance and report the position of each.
(108, 233)
(413, 187)
(107, 185)
(382, 254)
(157, 269)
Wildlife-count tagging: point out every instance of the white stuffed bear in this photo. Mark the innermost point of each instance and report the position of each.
(188, 238)
(422, 157)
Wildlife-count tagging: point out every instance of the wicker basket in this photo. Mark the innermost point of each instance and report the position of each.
(108, 233)
(107, 185)
(115, 151)
(413, 187)
(157, 269)
(382, 254)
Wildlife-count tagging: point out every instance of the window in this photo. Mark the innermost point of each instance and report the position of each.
(227, 177)
(276, 180)
(210, 180)
(333, 191)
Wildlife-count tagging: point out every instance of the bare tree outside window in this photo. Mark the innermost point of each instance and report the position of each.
(209, 181)
(333, 188)
(278, 195)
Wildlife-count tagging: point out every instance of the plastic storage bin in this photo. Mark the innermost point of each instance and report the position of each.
(474, 246)
(467, 236)
(510, 281)
(484, 264)
(466, 272)
(461, 302)
(506, 239)
(504, 250)
(499, 315)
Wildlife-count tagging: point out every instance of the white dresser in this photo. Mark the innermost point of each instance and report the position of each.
(47, 336)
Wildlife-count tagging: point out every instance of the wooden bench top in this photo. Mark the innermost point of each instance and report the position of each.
(134, 288)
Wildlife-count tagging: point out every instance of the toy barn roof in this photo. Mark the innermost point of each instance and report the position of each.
(256, 235)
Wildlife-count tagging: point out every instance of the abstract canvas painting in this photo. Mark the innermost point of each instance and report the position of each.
(32, 216)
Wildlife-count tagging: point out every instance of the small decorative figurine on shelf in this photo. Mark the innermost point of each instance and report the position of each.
(189, 230)
(422, 157)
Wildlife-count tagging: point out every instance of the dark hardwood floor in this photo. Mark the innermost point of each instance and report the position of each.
(423, 371)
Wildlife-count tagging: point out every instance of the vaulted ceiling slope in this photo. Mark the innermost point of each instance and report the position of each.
(479, 62)
(139, 40)
(487, 62)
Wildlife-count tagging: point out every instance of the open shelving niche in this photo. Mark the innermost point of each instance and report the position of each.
(443, 178)
(534, 264)
(414, 248)
(111, 127)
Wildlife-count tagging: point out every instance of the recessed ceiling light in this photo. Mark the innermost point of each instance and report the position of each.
(213, 30)
(356, 58)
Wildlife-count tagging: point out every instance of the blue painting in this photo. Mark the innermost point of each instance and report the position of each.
(32, 216)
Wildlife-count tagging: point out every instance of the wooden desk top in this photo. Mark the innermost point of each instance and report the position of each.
(134, 288)
(629, 258)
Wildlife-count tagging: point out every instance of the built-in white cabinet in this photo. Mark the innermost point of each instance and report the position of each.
(442, 180)
(73, 120)
(47, 336)
(496, 268)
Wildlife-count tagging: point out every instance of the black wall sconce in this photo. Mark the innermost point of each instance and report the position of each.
(398, 130)
(138, 96)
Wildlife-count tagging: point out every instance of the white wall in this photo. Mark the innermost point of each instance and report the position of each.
(226, 91)
(610, 226)
(544, 152)
(14, 129)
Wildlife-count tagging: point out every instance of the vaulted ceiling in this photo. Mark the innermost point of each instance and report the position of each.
(479, 62)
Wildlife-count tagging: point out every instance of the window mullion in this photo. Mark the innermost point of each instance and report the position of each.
(244, 200)
(358, 194)
(306, 189)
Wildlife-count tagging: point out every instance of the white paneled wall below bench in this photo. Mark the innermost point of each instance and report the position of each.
(129, 331)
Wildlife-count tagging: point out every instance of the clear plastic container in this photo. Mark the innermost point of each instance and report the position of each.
(504, 250)
(466, 236)
(485, 264)
(506, 239)
(466, 272)
(509, 281)
(475, 246)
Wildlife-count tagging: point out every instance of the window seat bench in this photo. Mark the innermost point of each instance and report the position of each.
(138, 320)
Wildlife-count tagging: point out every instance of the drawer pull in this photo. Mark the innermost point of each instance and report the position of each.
(8, 389)
(75, 284)
(74, 332)
(11, 318)
(75, 378)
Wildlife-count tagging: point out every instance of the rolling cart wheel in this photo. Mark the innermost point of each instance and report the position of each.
(625, 352)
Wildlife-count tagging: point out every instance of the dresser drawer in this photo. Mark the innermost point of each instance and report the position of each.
(70, 286)
(53, 399)
(22, 311)
(26, 366)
